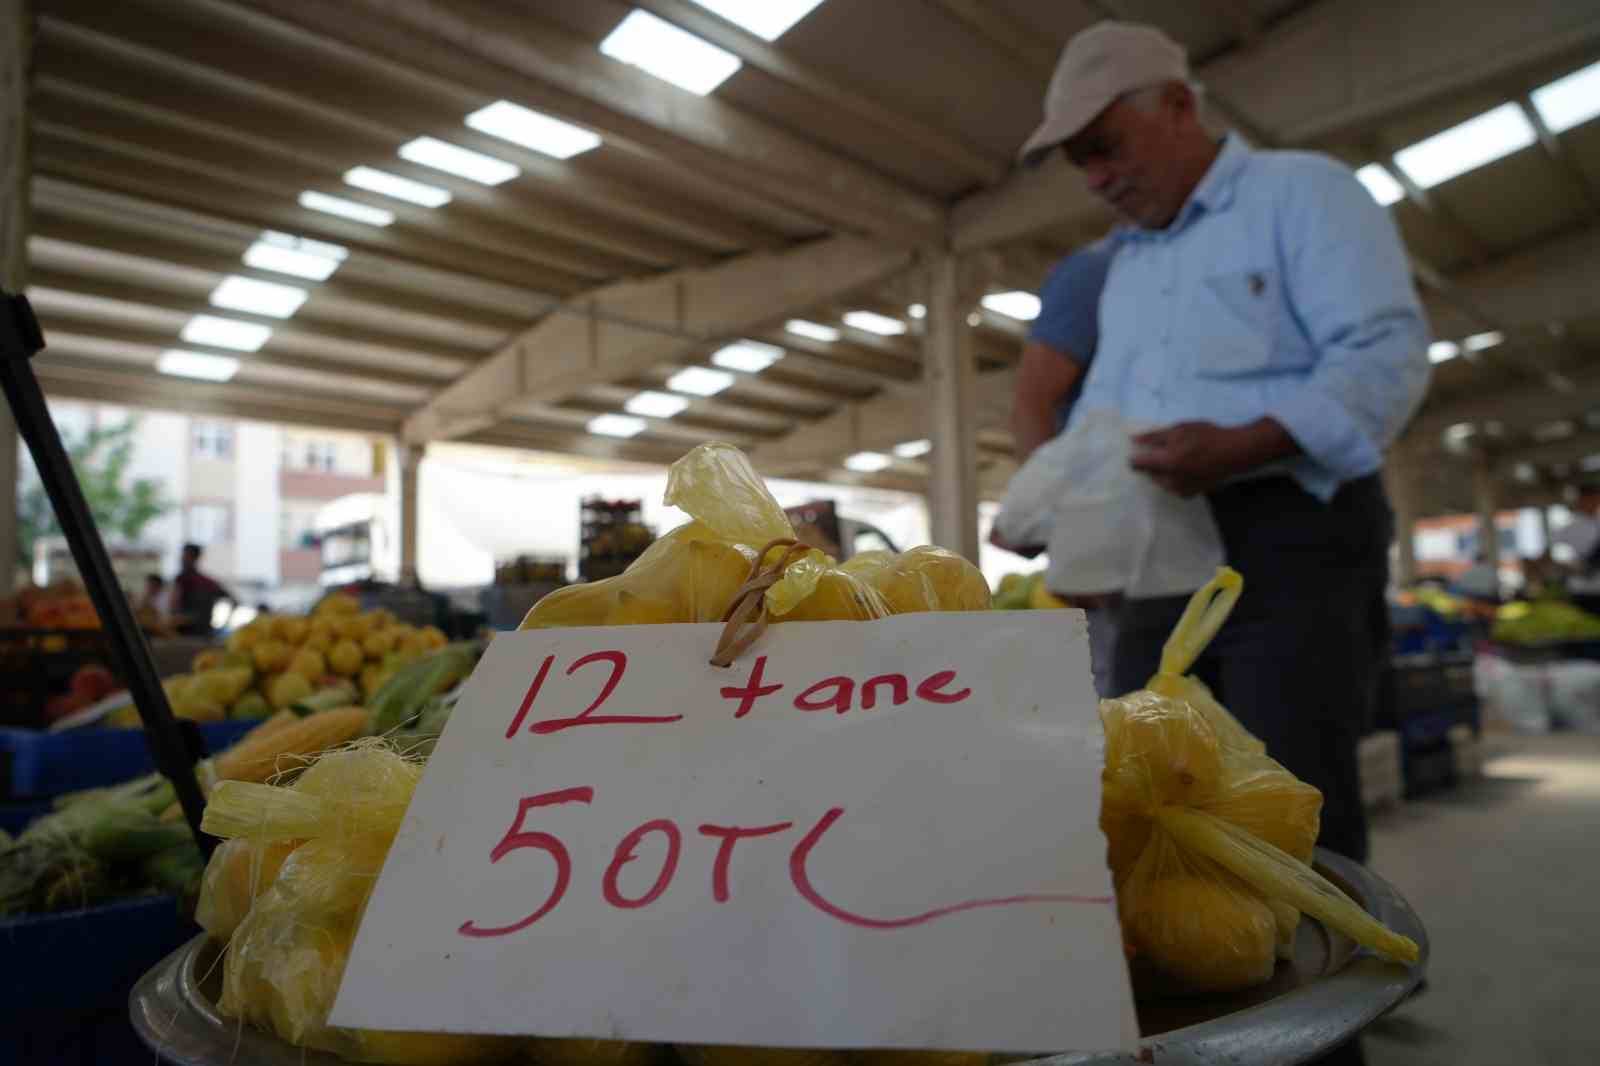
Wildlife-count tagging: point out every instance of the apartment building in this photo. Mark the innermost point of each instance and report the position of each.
(248, 491)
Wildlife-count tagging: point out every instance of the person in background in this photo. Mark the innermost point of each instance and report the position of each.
(154, 602)
(1259, 310)
(195, 595)
(1060, 346)
(1479, 581)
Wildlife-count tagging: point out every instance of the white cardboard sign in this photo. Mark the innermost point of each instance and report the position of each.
(859, 835)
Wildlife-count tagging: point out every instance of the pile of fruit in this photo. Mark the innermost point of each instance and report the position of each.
(1209, 839)
(130, 839)
(63, 605)
(695, 572)
(1543, 622)
(338, 655)
(90, 684)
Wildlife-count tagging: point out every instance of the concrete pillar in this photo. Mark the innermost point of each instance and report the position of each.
(1400, 481)
(16, 79)
(408, 457)
(1486, 500)
(948, 372)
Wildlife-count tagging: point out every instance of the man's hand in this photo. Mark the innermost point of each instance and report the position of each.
(1190, 458)
(1027, 551)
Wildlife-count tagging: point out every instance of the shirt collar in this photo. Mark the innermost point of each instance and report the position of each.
(1213, 193)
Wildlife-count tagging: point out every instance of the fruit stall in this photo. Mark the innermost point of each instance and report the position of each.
(1239, 935)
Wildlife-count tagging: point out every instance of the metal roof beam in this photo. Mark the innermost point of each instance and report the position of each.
(570, 236)
(551, 68)
(172, 184)
(130, 224)
(892, 417)
(1314, 75)
(464, 222)
(621, 330)
(308, 332)
(1574, 175)
(69, 330)
(527, 436)
(59, 241)
(1574, 449)
(68, 377)
(772, 60)
(997, 28)
(173, 42)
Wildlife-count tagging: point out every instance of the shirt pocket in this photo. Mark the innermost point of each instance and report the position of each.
(1236, 318)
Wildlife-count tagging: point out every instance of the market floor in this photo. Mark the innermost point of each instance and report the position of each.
(1505, 874)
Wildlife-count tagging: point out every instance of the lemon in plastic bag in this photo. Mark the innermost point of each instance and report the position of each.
(924, 578)
(1208, 839)
(1227, 933)
(239, 871)
(813, 589)
(282, 974)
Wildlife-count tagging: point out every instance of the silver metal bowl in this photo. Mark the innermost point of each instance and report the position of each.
(1328, 992)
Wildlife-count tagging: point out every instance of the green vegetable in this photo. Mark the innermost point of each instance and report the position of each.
(251, 705)
(177, 870)
(333, 697)
(128, 834)
(405, 695)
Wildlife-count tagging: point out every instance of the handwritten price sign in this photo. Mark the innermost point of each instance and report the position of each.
(860, 835)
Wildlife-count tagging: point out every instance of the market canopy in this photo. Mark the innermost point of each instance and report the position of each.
(574, 280)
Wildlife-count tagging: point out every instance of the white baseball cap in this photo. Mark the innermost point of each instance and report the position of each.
(1098, 65)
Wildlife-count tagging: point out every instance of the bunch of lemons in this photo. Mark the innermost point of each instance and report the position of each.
(280, 660)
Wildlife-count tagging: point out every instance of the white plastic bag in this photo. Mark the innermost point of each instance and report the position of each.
(1108, 528)
(1513, 694)
(1574, 688)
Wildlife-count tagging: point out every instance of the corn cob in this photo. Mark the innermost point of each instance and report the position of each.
(260, 754)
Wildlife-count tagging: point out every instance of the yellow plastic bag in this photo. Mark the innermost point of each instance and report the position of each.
(716, 485)
(925, 578)
(286, 956)
(1208, 839)
(693, 574)
(238, 873)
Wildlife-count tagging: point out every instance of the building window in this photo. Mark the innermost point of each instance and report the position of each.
(320, 455)
(213, 440)
(297, 528)
(206, 523)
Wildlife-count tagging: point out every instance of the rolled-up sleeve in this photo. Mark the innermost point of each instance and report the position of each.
(1069, 311)
(1350, 285)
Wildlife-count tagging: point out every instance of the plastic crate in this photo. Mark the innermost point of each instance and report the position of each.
(35, 765)
(36, 664)
(15, 817)
(611, 535)
(67, 978)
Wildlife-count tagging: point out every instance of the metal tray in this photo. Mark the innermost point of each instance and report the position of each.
(1316, 1001)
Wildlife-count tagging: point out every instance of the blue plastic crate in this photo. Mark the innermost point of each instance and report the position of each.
(67, 978)
(15, 817)
(36, 765)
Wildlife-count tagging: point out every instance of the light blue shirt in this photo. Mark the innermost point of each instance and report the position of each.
(1281, 289)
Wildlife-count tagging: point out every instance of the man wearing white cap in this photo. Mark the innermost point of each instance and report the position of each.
(1260, 311)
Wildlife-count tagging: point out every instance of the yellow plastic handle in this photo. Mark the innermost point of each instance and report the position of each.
(1208, 608)
(1277, 875)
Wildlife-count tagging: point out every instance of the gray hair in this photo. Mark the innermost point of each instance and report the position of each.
(1148, 98)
